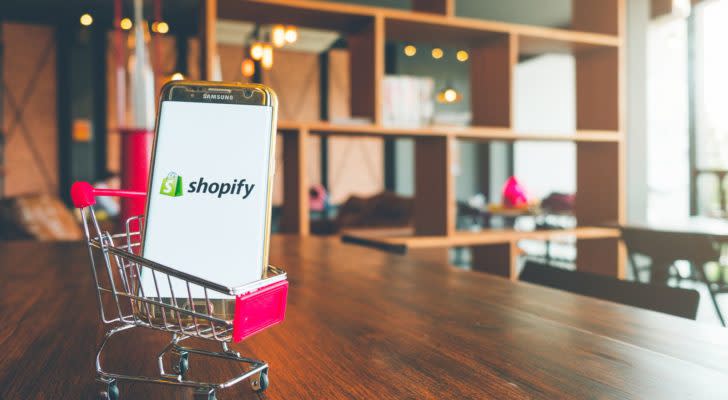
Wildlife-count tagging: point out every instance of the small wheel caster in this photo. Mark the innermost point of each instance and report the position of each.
(184, 364)
(205, 394)
(260, 384)
(111, 393)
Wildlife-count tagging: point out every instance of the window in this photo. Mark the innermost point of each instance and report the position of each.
(667, 120)
(710, 81)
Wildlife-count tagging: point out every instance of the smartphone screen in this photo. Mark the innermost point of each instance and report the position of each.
(208, 206)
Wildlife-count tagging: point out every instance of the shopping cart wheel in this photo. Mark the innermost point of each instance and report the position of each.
(261, 383)
(184, 363)
(205, 394)
(111, 393)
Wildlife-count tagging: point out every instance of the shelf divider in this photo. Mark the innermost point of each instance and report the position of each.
(601, 16)
(295, 217)
(491, 81)
(208, 31)
(498, 259)
(601, 256)
(366, 69)
(434, 208)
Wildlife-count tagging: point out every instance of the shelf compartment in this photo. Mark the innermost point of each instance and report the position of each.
(419, 25)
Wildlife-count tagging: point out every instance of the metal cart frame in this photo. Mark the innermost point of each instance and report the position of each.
(118, 277)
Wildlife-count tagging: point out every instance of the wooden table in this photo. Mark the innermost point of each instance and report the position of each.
(369, 325)
(713, 228)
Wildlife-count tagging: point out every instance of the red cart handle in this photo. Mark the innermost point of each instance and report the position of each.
(84, 195)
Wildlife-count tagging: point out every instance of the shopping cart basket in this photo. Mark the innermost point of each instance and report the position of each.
(127, 301)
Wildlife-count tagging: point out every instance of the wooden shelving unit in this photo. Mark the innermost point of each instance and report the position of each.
(595, 39)
(476, 133)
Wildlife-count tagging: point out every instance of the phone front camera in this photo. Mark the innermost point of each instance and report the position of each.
(247, 93)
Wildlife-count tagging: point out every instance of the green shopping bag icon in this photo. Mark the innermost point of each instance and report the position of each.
(172, 185)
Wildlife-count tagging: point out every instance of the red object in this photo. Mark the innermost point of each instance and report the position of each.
(514, 195)
(136, 153)
(84, 195)
(259, 310)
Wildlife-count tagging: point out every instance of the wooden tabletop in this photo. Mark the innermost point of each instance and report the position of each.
(368, 325)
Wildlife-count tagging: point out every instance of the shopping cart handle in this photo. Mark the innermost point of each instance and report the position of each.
(84, 195)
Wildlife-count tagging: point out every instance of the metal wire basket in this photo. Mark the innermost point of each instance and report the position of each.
(133, 291)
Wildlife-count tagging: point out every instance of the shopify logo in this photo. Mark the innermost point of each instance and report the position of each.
(172, 186)
(237, 187)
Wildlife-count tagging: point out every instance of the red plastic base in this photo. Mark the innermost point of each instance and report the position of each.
(259, 310)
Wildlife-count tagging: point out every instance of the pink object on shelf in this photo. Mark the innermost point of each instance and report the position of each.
(259, 310)
(317, 198)
(514, 195)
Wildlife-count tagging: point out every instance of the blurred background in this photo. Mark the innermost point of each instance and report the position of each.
(587, 135)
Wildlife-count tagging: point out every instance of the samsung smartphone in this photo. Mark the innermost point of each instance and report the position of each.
(209, 203)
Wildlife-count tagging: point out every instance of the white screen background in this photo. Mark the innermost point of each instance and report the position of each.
(218, 239)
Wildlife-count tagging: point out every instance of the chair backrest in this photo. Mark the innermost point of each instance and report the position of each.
(669, 300)
(669, 246)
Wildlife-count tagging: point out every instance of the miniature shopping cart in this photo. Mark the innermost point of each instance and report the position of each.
(203, 309)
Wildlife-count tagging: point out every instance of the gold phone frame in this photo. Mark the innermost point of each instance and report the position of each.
(269, 99)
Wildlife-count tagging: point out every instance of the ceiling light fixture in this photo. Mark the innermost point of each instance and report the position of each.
(291, 34)
(449, 95)
(86, 19)
(256, 51)
(267, 60)
(462, 56)
(125, 24)
(278, 36)
(162, 27)
(247, 67)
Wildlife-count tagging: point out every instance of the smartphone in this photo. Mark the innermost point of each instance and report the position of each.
(209, 198)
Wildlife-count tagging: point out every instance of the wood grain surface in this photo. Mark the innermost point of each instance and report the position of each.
(367, 325)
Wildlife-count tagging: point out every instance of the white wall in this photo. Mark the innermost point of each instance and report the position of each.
(638, 15)
(545, 102)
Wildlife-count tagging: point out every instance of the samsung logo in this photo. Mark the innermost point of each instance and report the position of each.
(213, 96)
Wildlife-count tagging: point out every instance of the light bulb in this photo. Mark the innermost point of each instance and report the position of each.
(450, 95)
(278, 36)
(256, 51)
(410, 50)
(247, 67)
(437, 53)
(86, 19)
(462, 56)
(267, 60)
(125, 24)
(291, 34)
(177, 76)
(162, 27)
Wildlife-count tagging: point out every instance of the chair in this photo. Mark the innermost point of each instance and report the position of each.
(664, 248)
(675, 301)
